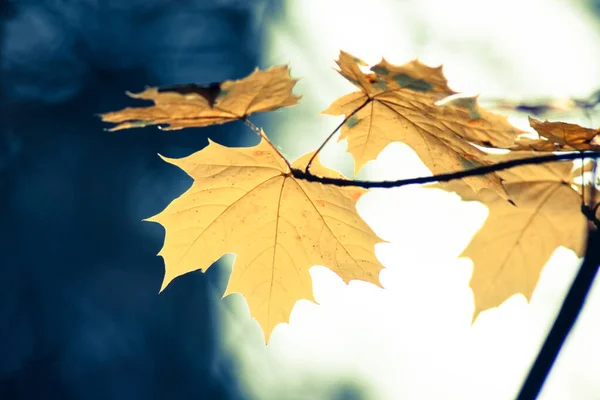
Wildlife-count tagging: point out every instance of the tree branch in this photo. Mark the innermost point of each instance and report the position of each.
(299, 174)
(571, 307)
(589, 212)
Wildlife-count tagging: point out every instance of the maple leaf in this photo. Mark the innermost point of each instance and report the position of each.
(245, 201)
(515, 242)
(191, 105)
(402, 103)
(559, 136)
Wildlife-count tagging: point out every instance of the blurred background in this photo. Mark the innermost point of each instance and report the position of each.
(80, 313)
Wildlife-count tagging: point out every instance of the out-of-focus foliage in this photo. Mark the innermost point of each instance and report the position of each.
(79, 315)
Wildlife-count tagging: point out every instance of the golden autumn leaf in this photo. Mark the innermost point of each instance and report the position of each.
(559, 136)
(245, 201)
(186, 106)
(515, 242)
(410, 103)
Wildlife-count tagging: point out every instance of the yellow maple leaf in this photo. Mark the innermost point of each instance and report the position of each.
(402, 103)
(185, 106)
(246, 201)
(515, 242)
(559, 136)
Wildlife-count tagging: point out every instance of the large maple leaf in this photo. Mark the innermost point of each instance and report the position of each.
(191, 105)
(402, 103)
(246, 201)
(516, 241)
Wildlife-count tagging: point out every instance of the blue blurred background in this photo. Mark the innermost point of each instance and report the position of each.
(80, 314)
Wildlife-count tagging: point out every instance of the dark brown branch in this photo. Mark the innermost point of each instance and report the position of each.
(590, 213)
(571, 307)
(299, 174)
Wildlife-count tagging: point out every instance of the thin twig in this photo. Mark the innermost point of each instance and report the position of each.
(299, 174)
(333, 133)
(589, 213)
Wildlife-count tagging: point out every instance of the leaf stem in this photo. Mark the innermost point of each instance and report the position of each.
(565, 320)
(262, 134)
(333, 133)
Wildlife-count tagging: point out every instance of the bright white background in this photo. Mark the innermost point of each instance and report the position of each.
(414, 339)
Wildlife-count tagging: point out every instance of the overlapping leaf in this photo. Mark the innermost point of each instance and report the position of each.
(245, 201)
(401, 103)
(191, 105)
(516, 241)
(559, 136)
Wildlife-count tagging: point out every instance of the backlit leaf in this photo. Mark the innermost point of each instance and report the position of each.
(245, 201)
(191, 105)
(409, 103)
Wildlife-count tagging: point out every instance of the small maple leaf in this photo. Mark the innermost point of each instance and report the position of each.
(559, 136)
(406, 103)
(246, 201)
(516, 240)
(193, 105)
